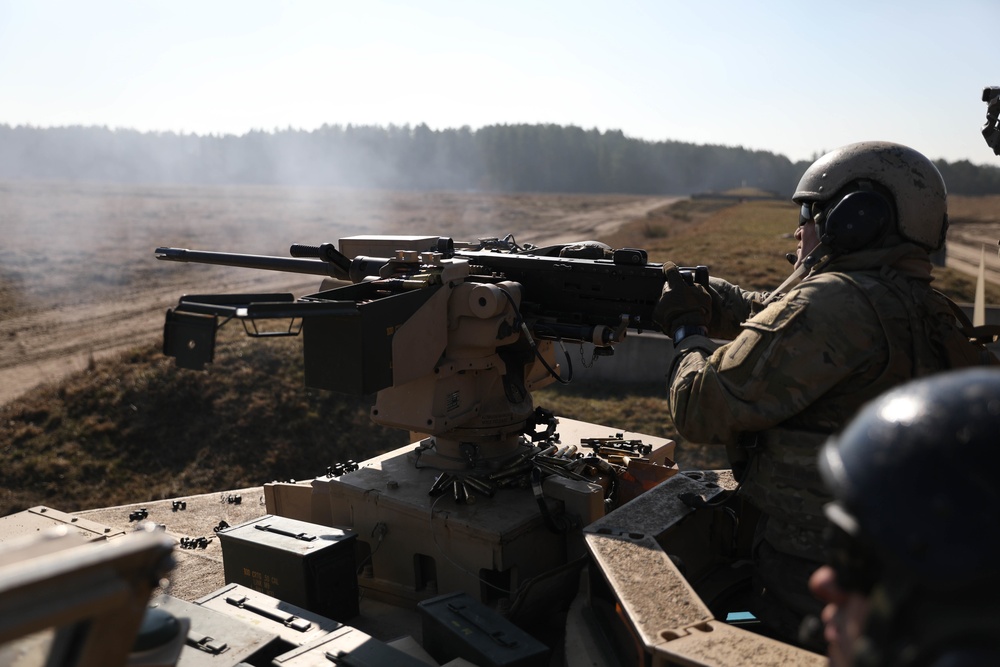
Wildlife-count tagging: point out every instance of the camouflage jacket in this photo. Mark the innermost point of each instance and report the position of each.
(797, 370)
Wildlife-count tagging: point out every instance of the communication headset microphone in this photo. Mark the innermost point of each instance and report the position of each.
(820, 252)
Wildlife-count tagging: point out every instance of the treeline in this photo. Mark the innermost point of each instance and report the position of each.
(508, 158)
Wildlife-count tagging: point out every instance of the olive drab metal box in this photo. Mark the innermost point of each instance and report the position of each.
(294, 625)
(346, 646)
(214, 639)
(305, 564)
(459, 626)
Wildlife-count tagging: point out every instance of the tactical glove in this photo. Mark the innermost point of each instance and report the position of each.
(681, 303)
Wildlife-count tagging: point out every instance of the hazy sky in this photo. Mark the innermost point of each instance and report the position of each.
(793, 77)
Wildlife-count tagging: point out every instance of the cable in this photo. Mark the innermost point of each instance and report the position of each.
(519, 322)
(455, 564)
(381, 529)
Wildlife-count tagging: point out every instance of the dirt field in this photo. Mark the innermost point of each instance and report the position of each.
(78, 279)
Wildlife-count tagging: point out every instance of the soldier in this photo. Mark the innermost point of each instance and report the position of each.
(800, 363)
(913, 544)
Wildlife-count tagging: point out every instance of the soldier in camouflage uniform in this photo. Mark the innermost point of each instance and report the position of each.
(863, 319)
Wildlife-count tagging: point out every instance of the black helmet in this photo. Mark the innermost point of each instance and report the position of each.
(914, 477)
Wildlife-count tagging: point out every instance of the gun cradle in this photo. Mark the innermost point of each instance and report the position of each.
(476, 391)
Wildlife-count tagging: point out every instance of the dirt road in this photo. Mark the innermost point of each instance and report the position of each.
(81, 281)
(46, 346)
(965, 256)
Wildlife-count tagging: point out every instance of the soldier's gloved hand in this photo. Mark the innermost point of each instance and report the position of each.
(681, 304)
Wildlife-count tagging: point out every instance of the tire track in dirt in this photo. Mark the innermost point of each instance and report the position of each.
(592, 225)
(47, 346)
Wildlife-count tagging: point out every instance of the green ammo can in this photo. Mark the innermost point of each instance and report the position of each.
(304, 564)
(458, 626)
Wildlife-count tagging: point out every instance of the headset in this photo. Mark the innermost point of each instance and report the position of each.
(857, 220)
(854, 221)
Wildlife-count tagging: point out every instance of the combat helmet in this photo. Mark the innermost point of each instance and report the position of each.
(914, 520)
(863, 187)
(913, 477)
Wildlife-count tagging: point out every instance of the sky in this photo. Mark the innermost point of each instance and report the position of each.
(796, 78)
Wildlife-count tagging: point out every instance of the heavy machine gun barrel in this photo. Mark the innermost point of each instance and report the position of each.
(267, 262)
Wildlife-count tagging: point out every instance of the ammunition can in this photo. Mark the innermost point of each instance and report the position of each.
(304, 564)
(459, 626)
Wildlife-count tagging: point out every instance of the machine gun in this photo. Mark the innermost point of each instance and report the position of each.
(451, 337)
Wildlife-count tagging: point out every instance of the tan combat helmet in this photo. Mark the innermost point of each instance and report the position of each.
(917, 189)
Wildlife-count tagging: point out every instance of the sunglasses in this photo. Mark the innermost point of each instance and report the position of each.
(806, 213)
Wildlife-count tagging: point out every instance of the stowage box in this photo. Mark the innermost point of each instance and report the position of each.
(459, 626)
(304, 564)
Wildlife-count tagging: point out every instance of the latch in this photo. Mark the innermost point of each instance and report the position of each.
(206, 643)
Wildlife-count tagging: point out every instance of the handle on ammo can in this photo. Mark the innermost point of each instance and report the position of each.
(305, 537)
(288, 620)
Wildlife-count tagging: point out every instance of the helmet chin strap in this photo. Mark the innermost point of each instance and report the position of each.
(820, 252)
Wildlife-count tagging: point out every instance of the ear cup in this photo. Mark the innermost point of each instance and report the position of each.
(856, 221)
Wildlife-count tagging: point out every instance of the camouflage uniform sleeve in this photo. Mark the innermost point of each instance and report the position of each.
(785, 358)
(731, 307)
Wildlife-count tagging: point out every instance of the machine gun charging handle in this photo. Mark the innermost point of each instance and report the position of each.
(695, 275)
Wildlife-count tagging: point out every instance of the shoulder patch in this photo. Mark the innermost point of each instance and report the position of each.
(776, 316)
(754, 345)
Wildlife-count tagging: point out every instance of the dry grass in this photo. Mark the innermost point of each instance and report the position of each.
(137, 428)
(974, 210)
